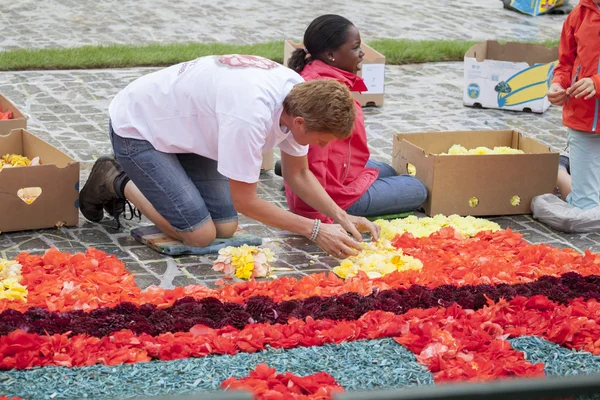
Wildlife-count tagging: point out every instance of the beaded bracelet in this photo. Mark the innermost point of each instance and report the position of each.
(315, 231)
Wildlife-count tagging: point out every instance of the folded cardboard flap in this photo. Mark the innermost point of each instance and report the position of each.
(513, 52)
(478, 51)
(532, 146)
(440, 142)
(372, 55)
(436, 143)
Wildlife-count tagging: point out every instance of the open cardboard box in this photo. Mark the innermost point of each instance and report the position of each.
(57, 177)
(19, 121)
(512, 76)
(373, 72)
(452, 180)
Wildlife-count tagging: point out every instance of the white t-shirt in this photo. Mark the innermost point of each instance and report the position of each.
(226, 108)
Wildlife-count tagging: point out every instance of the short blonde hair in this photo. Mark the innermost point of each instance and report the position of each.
(326, 105)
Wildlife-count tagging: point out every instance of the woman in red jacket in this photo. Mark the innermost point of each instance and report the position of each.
(576, 87)
(360, 186)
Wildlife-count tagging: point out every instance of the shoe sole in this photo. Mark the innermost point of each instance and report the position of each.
(81, 193)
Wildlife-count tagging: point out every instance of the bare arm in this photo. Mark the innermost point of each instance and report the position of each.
(332, 238)
(302, 181)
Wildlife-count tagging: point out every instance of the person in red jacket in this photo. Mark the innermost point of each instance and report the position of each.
(361, 186)
(576, 87)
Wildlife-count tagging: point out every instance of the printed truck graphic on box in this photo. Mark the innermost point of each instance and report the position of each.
(528, 85)
(534, 7)
(509, 76)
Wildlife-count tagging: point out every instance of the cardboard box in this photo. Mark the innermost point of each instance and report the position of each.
(373, 72)
(511, 76)
(18, 122)
(493, 179)
(57, 176)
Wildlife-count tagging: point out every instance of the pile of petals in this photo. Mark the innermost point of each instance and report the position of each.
(457, 149)
(266, 384)
(62, 282)
(489, 258)
(377, 260)
(245, 262)
(472, 290)
(455, 343)
(423, 227)
(10, 278)
(16, 160)
(188, 312)
(6, 115)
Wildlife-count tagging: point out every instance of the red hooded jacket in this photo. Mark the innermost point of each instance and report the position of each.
(580, 51)
(339, 166)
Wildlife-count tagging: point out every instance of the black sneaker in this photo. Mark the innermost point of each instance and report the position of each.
(99, 190)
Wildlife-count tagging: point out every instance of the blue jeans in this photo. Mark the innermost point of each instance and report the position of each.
(186, 189)
(389, 194)
(584, 150)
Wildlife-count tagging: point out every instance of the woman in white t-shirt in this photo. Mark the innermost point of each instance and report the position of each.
(188, 143)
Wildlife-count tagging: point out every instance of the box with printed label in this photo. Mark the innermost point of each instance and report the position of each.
(478, 184)
(511, 76)
(37, 196)
(372, 71)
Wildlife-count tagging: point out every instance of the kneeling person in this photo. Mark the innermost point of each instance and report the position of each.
(188, 143)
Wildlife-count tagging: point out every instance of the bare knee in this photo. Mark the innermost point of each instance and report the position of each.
(227, 229)
(201, 237)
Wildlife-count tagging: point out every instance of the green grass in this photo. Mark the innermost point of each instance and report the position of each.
(397, 52)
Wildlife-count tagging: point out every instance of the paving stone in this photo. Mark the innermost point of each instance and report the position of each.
(146, 254)
(143, 281)
(138, 268)
(183, 280)
(92, 236)
(114, 250)
(202, 267)
(67, 23)
(33, 244)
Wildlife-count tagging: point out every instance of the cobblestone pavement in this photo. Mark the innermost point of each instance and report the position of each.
(67, 23)
(68, 109)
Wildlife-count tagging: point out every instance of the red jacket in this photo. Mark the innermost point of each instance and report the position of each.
(339, 166)
(580, 50)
